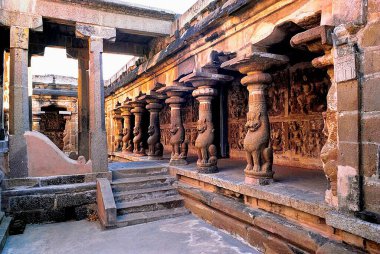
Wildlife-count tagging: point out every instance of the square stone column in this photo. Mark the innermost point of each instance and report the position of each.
(83, 106)
(19, 121)
(97, 131)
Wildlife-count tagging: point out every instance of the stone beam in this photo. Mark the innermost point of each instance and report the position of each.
(14, 18)
(83, 12)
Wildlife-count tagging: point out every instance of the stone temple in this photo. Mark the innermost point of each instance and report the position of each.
(259, 117)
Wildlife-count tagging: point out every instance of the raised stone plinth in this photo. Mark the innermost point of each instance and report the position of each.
(175, 100)
(259, 153)
(205, 82)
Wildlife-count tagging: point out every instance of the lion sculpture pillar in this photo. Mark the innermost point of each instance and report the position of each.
(127, 130)
(175, 100)
(205, 82)
(259, 154)
(138, 111)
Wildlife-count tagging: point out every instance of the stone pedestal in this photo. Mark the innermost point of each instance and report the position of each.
(205, 83)
(118, 129)
(318, 40)
(18, 101)
(154, 106)
(175, 100)
(127, 129)
(138, 109)
(257, 146)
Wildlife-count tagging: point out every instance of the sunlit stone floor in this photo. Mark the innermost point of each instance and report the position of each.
(181, 235)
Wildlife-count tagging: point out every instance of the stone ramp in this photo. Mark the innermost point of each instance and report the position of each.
(140, 194)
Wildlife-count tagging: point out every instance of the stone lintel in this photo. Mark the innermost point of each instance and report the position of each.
(317, 39)
(255, 61)
(26, 20)
(93, 31)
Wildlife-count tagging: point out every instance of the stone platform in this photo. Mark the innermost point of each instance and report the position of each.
(293, 207)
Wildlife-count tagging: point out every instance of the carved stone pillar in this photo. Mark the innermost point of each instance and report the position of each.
(127, 130)
(205, 82)
(118, 129)
(154, 106)
(138, 109)
(175, 100)
(318, 40)
(253, 62)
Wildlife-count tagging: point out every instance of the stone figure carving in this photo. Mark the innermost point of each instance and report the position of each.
(204, 145)
(154, 145)
(179, 150)
(137, 140)
(256, 143)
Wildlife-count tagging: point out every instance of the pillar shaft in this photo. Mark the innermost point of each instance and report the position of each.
(83, 106)
(19, 120)
(97, 137)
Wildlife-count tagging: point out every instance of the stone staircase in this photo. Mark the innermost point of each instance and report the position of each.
(145, 195)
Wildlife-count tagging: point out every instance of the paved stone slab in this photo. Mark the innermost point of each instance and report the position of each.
(180, 235)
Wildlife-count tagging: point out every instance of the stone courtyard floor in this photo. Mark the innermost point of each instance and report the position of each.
(182, 235)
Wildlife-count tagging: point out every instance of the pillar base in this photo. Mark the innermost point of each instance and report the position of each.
(178, 162)
(258, 181)
(18, 159)
(207, 170)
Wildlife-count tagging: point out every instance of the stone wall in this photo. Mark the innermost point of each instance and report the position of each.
(49, 199)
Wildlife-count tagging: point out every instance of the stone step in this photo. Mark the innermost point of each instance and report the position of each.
(145, 182)
(149, 193)
(4, 231)
(138, 172)
(149, 205)
(145, 217)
